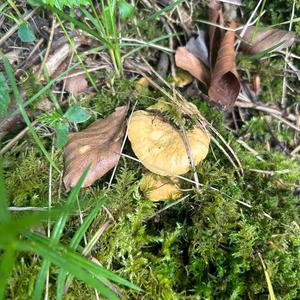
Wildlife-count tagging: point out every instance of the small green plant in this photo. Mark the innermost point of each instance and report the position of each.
(61, 122)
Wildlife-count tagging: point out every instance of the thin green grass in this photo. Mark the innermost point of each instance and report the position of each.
(20, 104)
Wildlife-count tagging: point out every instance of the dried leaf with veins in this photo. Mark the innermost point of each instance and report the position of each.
(189, 62)
(225, 85)
(260, 39)
(215, 33)
(99, 144)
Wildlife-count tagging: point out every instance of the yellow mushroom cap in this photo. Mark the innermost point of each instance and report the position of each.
(160, 147)
(158, 188)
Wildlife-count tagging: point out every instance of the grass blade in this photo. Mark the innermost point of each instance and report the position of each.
(19, 101)
(6, 266)
(268, 279)
(56, 234)
(4, 213)
(79, 260)
(44, 89)
(61, 279)
(60, 256)
(165, 9)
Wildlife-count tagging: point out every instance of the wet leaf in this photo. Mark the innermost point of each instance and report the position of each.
(4, 95)
(258, 40)
(76, 114)
(99, 144)
(189, 62)
(25, 33)
(225, 85)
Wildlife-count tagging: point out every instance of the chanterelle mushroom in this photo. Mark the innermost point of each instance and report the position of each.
(160, 146)
(158, 188)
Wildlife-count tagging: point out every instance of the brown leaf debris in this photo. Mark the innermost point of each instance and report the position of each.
(260, 39)
(225, 85)
(99, 144)
(189, 62)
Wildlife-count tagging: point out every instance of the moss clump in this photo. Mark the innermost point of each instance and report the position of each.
(27, 174)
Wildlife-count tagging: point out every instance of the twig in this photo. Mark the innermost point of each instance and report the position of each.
(247, 25)
(295, 151)
(263, 108)
(190, 156)
(166, 207)
(28, 208)
(13, 141)
(270, 172)
(171, 45)
(254, 152)
(48, 47)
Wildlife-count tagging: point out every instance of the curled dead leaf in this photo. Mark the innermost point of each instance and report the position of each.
(216, 34)
(189, 62)
(261, 39)
(157, 188)
(225, 85)
(160, 146)
(99, 144)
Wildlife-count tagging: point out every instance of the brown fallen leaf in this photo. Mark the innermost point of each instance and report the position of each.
(260, 39)
(216, 34)
(99, 144)
(225, 85)
(189, 62)
(76, 84)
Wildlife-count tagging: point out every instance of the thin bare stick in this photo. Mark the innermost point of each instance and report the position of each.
(48, 47)
(167, 207)
(13, 141)
(254, 152)
(171, 45)
(247, 24)
(190, 156)
(270, 172)
(27, 208)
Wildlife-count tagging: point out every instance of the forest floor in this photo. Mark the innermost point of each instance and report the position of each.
(227, 227)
